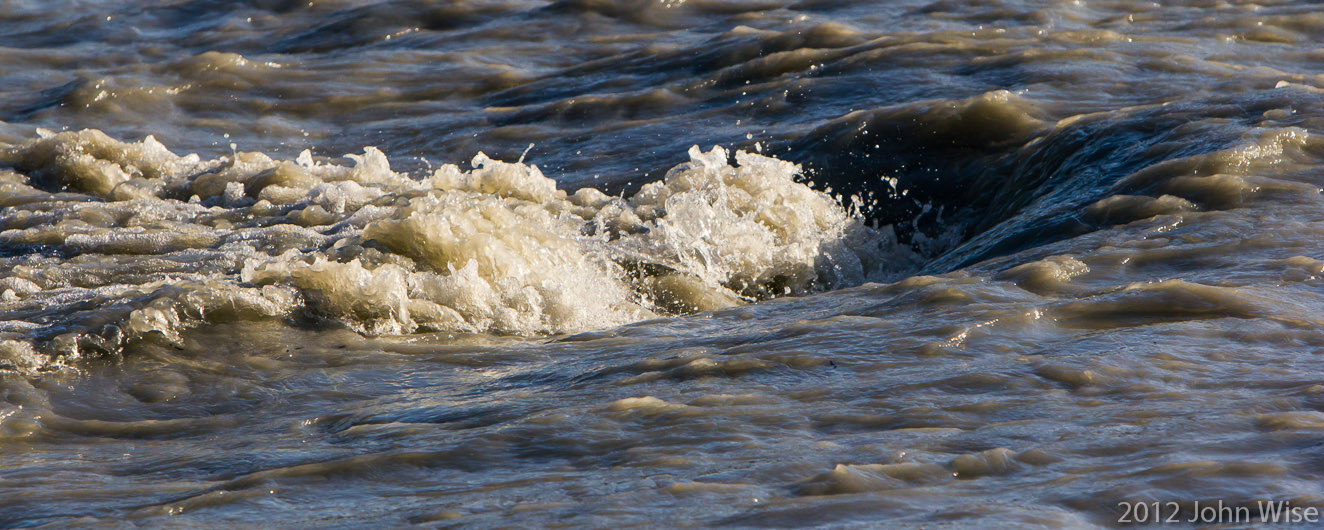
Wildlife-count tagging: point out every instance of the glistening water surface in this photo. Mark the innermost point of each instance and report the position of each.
(615, 263)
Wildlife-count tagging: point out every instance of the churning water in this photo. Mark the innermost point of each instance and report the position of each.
(608, 263)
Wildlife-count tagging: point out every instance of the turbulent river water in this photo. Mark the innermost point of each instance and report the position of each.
(655, 263)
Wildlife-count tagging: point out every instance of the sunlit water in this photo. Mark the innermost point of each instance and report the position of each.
(951, 264)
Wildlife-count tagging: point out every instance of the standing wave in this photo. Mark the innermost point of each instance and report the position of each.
(104, 243)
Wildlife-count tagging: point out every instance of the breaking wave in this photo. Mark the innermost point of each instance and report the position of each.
(108, 242)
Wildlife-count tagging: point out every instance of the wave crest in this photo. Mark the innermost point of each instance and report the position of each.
(111, 242)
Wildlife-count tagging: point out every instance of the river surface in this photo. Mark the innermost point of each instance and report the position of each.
(659, 263)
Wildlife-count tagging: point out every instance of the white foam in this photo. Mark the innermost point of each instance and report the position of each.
(498, 248)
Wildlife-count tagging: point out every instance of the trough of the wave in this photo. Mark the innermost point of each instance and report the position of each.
(602, 264)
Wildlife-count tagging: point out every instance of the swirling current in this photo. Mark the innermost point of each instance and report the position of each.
(661, 263)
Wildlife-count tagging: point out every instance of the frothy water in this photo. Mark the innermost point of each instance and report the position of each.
(1004, 264)
(132, 241)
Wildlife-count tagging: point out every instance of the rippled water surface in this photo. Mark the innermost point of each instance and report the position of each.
(610, 263)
